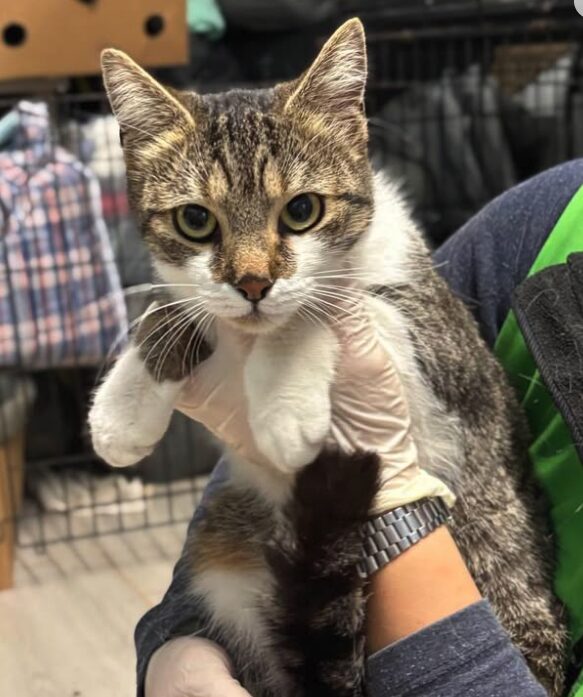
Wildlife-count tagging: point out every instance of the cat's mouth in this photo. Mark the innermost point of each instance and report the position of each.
(255, 321)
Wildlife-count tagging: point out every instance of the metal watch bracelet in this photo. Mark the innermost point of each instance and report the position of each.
(389, 534)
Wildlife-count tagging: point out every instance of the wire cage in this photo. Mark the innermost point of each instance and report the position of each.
(74, 277)
(465, 99)
(469, 98)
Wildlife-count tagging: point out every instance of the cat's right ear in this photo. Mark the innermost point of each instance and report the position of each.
(143, 108)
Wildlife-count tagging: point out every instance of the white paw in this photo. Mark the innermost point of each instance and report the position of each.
(118, 452)
(118, 441)
(287, 383)
(290, 441)
(131, 411)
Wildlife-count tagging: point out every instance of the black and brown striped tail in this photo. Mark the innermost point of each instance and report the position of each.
(321, 625)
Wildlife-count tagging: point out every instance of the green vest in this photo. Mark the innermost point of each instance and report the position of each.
(555, 461)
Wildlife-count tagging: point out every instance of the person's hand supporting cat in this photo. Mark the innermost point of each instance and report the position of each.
(369, 409)
(191, 667)
(369, 413)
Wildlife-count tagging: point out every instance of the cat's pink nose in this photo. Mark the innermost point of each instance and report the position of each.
(253, 288)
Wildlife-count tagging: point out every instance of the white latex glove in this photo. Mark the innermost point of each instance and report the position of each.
(369, 409)
(370, 413)
(218, 401)
(191, 667)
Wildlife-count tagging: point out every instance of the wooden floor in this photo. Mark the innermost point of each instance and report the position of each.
(66, 629)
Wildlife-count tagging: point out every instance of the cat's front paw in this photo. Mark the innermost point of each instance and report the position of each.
(131, 411)
(119, 442)
(290, 442)
(287, 382)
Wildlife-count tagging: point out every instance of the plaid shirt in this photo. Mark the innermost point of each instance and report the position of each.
(60, 297)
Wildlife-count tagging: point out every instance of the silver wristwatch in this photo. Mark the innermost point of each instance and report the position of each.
(389, 534)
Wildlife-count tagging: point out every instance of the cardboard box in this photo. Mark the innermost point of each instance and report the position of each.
(55, 38)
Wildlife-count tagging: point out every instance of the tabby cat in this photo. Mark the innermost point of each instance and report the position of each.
(256, 206)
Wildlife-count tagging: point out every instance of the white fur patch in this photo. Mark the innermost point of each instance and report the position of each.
(383, 253)
(235, 598)
(287, 381)
(130, 411)
(194, 280)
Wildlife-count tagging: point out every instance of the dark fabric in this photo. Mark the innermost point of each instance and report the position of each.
(493, 252)
(177, 614)
(549, 311)
(483, 263)
(466, 654)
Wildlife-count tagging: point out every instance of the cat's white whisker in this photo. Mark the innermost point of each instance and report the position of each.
(198, 334)
(306, 311)
(192, 321)
(158, 308)
(169, 324)
(302, 313)
(174, 285)
(167, 349)
(181, 328)
(187, 350)
(344, 301)
(170, 335)
(351, 295)
(193, 338)
(338, 309)
(167, 321)
(123, 334)
(205, 326)
(321, 313)
(343, 270)
(351, 298)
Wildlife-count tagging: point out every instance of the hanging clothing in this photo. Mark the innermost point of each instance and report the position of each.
(96, 143)
(61, 301)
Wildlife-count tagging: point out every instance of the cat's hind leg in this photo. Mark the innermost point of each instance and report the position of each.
(234, 584)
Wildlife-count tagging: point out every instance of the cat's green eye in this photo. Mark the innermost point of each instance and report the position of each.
(302, 212)
(194, 222)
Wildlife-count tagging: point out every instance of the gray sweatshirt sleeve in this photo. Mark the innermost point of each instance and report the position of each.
(178, 613)
(466, 654)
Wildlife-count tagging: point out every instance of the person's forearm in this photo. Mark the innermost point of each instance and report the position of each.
(427, 583)
(428, 635)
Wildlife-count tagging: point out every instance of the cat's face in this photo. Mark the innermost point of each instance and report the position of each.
(251, 201)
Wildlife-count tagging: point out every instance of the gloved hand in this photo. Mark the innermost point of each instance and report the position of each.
(369, 409)
(370, 413)
(191, 667)
(217, 400)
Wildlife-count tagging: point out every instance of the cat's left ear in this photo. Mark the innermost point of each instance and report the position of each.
(334, 84)
(143, 107)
